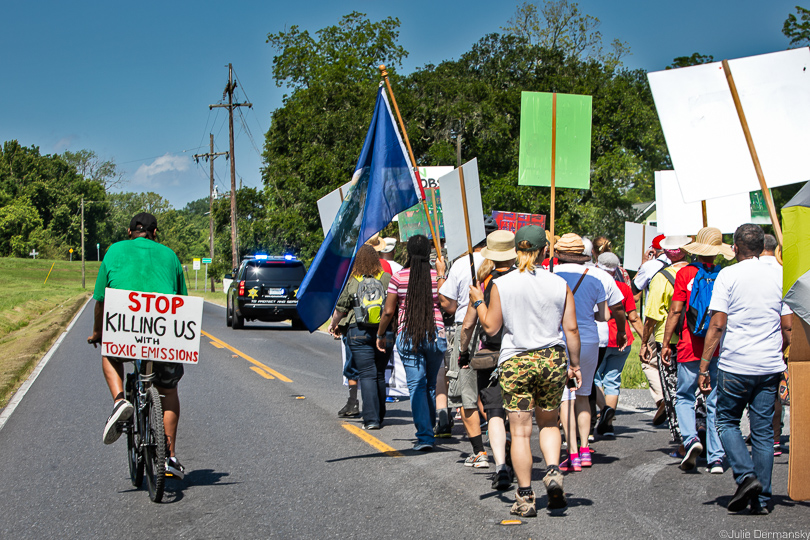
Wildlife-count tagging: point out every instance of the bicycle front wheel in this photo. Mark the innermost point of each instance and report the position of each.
(155, 447)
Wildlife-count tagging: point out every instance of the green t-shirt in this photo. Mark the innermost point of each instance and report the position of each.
(140, 264)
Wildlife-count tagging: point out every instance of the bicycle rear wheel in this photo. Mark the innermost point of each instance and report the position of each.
(134, 457)
(155, 447)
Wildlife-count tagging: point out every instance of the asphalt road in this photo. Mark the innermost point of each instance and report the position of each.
(266, 458)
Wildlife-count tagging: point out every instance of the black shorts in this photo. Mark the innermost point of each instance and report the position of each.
(491, 394)
(167, 374)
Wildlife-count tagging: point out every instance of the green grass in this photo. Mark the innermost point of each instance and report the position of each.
(632, 375)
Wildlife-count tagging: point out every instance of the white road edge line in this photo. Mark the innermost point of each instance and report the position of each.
(17, 398)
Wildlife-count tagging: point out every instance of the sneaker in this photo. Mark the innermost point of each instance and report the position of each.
(554, 488)
(479, 460)
(605, 419)
(175, 468)
(369, 427)
(609, 434)
(777, 449)
(715, 467)
(585, 457)
(458, 414)
(590, 438)
(693, 450)
(443, 432)
(748, 490)
(502, 479)
(423, 447)
(524, 506)
(122, 410)
(571, 465)
(350, 410)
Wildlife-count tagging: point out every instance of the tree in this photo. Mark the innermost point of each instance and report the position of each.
(91, 167)
(694, 60)
(798, 32)
(17, 222)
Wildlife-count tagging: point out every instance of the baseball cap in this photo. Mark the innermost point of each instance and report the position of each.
(143, 222)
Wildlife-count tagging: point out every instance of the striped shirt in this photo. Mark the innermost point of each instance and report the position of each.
(399, 286)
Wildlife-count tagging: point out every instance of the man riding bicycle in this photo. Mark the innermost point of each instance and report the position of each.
(140, 264)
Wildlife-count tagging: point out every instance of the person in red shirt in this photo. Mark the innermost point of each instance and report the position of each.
(707, 246)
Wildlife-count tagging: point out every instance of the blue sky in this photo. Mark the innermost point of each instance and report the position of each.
(133, 81)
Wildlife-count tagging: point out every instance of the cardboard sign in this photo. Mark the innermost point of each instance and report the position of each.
(512, 221)
(413, 221)
(455, 228)
(637, 238)
(573, 140)
(703, 130)
(329, 205)
(151, 326)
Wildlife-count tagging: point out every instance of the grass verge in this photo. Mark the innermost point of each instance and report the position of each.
(632, 375)
(34, 312)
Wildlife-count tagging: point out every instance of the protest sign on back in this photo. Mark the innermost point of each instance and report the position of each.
(329, 205)
(637, 238)
(452, 202)
(151, 326)
(512, 221)
(413, 220)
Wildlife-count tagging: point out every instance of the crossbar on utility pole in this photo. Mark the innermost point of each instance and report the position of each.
(211, 156)
(230, 106)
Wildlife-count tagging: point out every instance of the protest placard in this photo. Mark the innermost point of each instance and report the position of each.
(637, 238)
(329, 205)
(703, 128)
(512, 221)
(413, 220)
(456, 215)
(151, 326)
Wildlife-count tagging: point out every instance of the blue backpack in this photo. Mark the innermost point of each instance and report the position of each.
(698, 315)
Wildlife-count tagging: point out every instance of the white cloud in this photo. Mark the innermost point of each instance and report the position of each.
(64, 143)
(163, 171)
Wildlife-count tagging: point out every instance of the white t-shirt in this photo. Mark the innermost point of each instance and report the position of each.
(395, 267)
(457, 285)
(648, 270)
(596, 286)
(532, 304)
(750, 293)
(771, 260)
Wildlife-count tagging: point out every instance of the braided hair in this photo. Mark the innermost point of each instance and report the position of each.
(419, 322)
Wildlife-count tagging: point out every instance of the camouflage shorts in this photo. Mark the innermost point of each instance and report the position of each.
(534, 379)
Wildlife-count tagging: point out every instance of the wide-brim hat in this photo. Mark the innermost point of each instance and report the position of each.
(376, 242)
(709, 242)
(500, 246)
(390, 244)
(570, 248)
(674, 242)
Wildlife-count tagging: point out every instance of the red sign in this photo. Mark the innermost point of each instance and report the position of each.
(512, 221)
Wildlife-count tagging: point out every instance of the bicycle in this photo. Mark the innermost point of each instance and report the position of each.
(146, 436)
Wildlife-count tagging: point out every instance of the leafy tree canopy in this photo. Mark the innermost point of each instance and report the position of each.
(797, 27)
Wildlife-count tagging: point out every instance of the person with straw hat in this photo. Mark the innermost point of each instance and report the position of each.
(593, 290)
(537, 314)
(707, 246)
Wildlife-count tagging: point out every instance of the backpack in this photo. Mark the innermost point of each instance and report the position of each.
(698, 315)
(369, 299)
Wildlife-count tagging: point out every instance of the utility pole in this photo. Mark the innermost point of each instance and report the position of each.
(82, 242)
(211, 156)
(230, 106)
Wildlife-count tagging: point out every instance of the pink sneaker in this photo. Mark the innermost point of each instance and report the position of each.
(571, 465)
(585, 457)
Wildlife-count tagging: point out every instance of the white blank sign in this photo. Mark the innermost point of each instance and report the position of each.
(704, 134)
(637, 237)
(454, 228)
(329, 205)
(676, 217)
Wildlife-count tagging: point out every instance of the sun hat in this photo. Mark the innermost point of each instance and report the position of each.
(376, 242)
(588, 247)
(143, 222)
(500, 246)
(656, 242)
(390, 244)
(534, 235)
(709, 242)
(570, 248)
(673, 242)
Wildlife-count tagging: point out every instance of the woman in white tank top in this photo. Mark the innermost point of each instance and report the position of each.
(535, 308)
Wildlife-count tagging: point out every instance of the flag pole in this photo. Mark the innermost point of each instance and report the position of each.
(553, 174)
(467, 222)
(384, 75)
(754, 157)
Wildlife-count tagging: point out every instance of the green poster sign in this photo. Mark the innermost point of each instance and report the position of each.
(412, 221)
(573, 140)
(759, 209)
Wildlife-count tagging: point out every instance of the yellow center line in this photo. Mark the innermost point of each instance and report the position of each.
(262, 372)
(373, 441)
(253, 361)
(217, 345)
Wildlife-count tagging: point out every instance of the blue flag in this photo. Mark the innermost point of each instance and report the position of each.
(383, 185)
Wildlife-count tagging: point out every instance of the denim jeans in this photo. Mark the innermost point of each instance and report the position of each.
(422, 364)
(609, 373)
(758, 392)
(685, 407)
(370, 364)
(349, 371)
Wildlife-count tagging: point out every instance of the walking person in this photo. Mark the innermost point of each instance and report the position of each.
(752, 327)
(535, 309)
(413, 294)
(360, 306)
